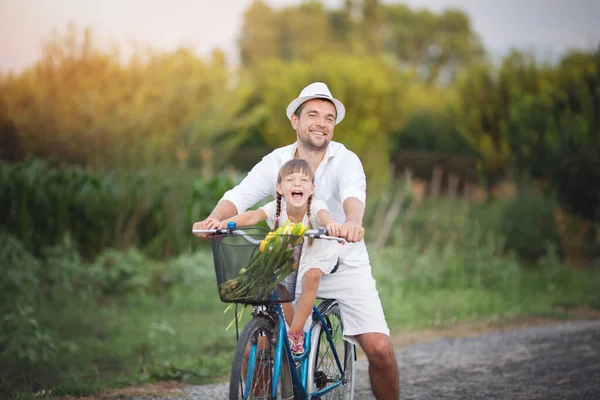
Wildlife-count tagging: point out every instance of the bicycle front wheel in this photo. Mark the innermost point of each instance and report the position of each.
(325, 369)
(253, 365)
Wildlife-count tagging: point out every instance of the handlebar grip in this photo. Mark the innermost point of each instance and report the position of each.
(321, 233)
(219, 231)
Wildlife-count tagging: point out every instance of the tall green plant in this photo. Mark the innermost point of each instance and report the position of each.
(120, 209)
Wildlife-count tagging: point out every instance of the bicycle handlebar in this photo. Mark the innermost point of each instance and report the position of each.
(320, 233)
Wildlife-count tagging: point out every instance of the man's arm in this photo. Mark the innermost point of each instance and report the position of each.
(352, 228)
(352, 187)
(224, 209)
(258, 184)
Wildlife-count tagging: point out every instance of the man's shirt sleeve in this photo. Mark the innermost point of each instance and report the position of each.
(258, 184)
(351, 178)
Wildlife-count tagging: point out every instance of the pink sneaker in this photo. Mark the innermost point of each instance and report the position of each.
(296, 342)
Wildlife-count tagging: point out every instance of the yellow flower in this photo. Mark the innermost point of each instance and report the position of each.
(299, 229)
(262, 246)
(270, 236)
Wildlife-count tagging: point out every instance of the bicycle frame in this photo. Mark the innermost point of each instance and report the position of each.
(300, 374)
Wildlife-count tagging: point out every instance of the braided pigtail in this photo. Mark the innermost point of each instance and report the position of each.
(278, 211)
(309, 216)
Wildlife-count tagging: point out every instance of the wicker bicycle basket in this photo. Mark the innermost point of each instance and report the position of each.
(257, 274)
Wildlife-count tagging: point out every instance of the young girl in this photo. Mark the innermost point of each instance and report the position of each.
(295, 189)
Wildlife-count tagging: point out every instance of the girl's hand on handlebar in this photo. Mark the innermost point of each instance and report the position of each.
(221, 225)
(334, 229)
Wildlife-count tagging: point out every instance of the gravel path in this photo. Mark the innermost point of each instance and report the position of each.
(551, 362)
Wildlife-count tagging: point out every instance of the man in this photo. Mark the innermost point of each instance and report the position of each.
(340, 182)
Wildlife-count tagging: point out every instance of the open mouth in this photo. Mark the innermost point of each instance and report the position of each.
(318, 133)
(297, 195)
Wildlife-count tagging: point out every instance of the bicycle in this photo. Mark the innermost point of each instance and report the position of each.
(264, 366)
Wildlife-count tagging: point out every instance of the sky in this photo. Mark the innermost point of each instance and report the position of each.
(548, 27)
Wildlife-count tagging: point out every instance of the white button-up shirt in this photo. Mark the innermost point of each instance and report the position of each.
(339, 176)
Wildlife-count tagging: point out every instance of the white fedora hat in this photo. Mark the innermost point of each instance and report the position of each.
(316, 90)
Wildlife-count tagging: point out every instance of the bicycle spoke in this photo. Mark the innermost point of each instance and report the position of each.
(326, 370)
(252, 370)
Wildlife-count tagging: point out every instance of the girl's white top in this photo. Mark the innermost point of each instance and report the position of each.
(322, 254)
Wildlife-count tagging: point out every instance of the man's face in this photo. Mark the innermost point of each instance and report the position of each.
(315, 124)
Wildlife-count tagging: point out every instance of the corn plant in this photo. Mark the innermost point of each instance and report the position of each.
(39, 204)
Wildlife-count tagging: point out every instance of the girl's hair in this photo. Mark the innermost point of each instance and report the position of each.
(293, 166)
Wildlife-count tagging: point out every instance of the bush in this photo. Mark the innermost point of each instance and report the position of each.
(527, 224)
(26, 345)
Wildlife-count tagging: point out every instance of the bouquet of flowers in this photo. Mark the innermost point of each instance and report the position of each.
(277, 256)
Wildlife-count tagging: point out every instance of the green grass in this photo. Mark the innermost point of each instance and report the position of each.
(430, 290)
(181, 334)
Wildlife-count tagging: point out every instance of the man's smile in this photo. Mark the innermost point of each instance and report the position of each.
(318, 133)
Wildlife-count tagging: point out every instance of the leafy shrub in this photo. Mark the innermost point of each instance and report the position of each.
(527, 223)
(116, 273)
(19, 280)
(25, 343)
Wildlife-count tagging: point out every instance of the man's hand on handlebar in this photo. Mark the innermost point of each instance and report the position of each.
(352, 232)
(207, 224)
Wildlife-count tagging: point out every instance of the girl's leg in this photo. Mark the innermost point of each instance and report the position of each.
(288, 312)
(306, 301)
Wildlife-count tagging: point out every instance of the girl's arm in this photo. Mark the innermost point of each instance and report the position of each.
(248, 218)
(325, 219)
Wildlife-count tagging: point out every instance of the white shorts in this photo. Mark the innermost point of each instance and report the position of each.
(355, 290)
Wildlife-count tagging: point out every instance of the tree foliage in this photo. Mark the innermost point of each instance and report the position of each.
(81, 104)
(292, 33)
(434, 43)
(540, 121)
(556, 136)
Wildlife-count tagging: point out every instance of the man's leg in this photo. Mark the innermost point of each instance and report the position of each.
(383, 367)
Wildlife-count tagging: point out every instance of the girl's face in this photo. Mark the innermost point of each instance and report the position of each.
(296, 188)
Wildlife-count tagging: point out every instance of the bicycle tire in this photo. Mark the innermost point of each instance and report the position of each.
(260, 330)
(322, 365)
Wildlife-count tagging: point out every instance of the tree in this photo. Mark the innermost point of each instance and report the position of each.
(292, 33)
(80, 104)
(305, 32)
(260, 37)
(480, 114)
(433, 43)
(557, 134)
